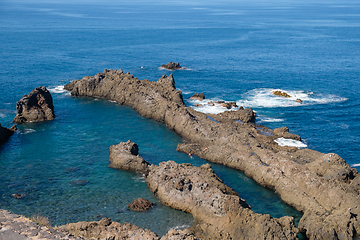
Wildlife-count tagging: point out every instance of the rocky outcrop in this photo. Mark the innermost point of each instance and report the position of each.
(281, 94)
(217, 209)
(172, 66)
(250, 148)
(35, 107)
(17, 227)
(107, 229)
(125, 156)
(6, 133)
(198, 96)
(140, 205)
(241, 116)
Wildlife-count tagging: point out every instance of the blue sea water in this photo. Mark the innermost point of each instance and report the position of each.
(233, 50)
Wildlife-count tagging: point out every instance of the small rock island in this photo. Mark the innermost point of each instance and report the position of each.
(37, 106)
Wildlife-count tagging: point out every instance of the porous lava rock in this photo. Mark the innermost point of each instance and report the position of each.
(35, 107)
(198, 96)
(140, 205)
(325, 202)
(6, 133)
(172, 66)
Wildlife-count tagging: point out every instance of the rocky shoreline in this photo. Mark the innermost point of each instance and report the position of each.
(218, 211)
(322, 186)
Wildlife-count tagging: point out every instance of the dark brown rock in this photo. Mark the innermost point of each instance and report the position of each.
(198, 96)
(287, 170)
(35, 107)
(172, 66)
(6, 133)
(140, 205)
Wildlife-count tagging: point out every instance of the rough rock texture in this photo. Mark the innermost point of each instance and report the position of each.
(172, 66)
(140, 205)
(17, 227)
(217, 210)
(241, 115)
(107, 229)
(125, 156)
(281, 94)
(176, 234)
(198, 96)
(5, 133)
(325, 200)
(35, 107)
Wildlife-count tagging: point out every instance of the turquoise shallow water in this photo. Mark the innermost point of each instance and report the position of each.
(236, 51)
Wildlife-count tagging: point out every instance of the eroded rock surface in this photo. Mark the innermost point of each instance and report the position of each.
(107, 229)
(125, 156)
(217, 210)
(17, 227)
(35, 107)
(324, 197)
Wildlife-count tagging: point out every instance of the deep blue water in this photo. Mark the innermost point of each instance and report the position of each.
(233, 50)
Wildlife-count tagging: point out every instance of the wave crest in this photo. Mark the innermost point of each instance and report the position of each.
(264, 98)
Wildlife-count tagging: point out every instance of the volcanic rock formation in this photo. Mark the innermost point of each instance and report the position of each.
(327, 195)
(217, 210)
(172, 66)
(35, 107)
(5, 133)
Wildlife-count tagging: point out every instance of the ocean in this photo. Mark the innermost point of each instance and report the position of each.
(232, 50)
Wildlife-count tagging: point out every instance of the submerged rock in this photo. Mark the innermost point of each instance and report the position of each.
(140, 205)
(172, 66)
(324, 199)
(35, 107)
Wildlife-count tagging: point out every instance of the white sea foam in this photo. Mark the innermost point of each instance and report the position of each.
(269, 119)
(355, 165)
(290, 142)
(264, 97)
(209, 106)
(26, 131)
(57, 89)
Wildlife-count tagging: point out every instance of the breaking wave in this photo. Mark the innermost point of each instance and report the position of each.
(58, 89)
(264, 98)
(290, 142)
